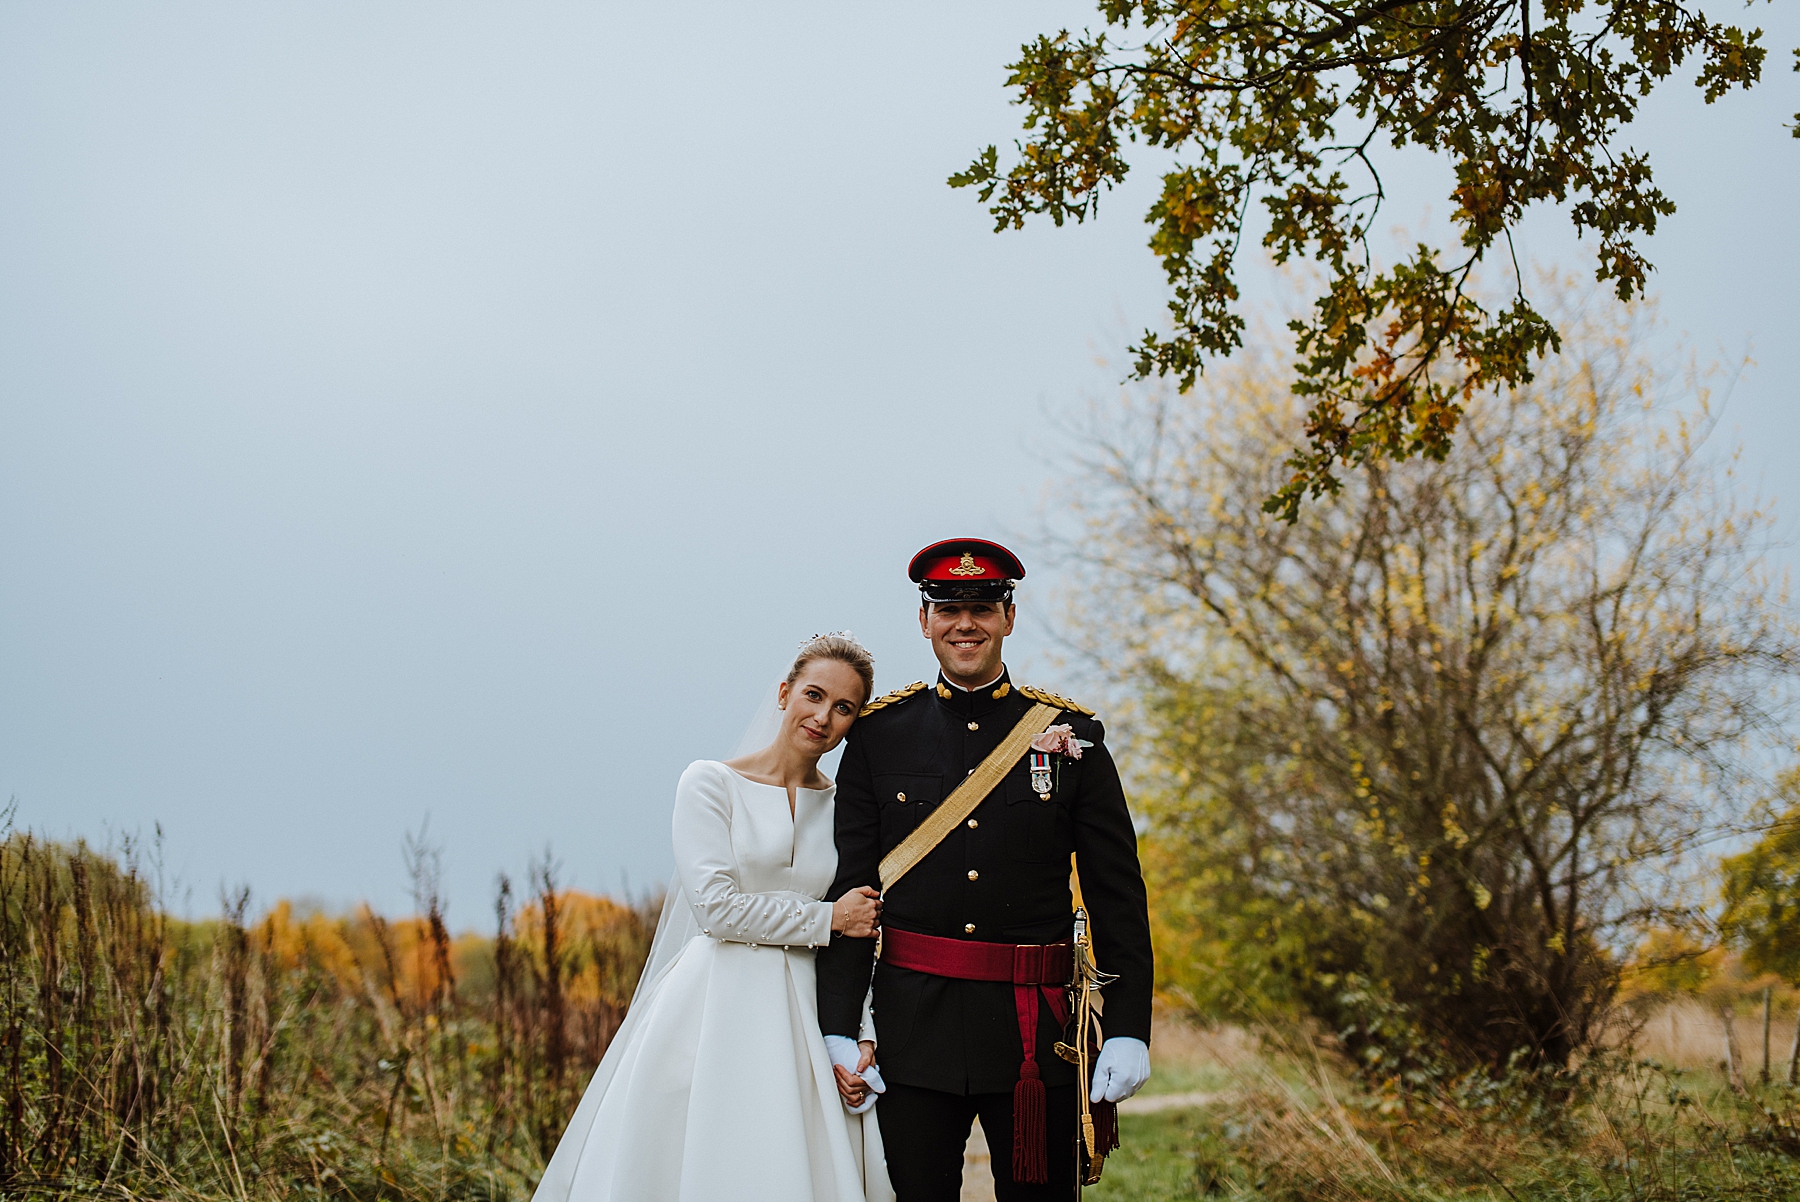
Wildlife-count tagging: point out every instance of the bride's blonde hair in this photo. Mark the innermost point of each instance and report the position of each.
(838, 645)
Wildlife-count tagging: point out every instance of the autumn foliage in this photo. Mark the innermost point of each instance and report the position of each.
(342, 1055)
(1455, 739)
(1271, 120)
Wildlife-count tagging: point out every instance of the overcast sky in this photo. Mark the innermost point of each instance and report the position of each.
(463, 409)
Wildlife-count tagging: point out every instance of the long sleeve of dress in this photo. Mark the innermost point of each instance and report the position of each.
(705, 862)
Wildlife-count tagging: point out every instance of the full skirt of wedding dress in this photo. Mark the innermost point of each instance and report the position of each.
(718, 1089)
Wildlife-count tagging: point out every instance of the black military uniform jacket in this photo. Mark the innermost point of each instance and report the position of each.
(1000, 877)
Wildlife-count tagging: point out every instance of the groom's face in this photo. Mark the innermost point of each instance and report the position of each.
(966, 635)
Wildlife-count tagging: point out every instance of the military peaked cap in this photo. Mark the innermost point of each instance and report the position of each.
(966, 569)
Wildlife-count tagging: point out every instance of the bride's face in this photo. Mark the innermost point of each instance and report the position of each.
(819, 706)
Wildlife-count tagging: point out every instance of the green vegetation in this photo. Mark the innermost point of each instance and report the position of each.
(1167, 1155)
(1293, 1127)
(1277, 111)
(1762, 893)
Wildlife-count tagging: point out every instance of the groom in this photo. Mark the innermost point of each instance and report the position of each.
(968, 1004)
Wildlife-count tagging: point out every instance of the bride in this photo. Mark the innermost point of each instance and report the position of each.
(718, 1086)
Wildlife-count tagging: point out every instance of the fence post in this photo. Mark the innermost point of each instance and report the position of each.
(1767, 1002)
(1734, 1072)
(1794, 1055)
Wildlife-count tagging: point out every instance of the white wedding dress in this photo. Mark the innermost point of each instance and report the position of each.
(717, 1087)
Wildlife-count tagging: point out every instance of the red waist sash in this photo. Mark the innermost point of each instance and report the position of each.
(1031, 969)
(969, 960)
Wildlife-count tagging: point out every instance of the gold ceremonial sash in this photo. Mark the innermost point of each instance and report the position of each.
(966, 796)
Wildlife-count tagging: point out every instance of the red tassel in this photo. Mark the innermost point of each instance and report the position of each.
(1030, 1164)
(1106, 1127)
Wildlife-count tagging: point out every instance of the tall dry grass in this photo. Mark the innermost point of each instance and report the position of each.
(1287, 1117)
(1697, 1034)
(288, 1052)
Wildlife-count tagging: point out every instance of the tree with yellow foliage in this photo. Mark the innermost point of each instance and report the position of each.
(1462, 731)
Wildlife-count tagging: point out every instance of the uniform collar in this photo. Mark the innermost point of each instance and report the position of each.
(974, 701)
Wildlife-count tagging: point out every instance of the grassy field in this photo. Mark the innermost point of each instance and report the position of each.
(352, 1056)
(1278, 1119)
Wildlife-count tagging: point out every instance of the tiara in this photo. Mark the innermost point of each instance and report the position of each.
(829, 634)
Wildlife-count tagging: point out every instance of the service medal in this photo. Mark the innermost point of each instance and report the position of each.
(1040, 774)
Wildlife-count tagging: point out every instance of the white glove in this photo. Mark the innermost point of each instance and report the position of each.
(845, 1053)
(1120, 1070)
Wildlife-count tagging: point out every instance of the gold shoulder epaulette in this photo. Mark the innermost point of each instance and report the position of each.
(1056, 699)
(887, 699)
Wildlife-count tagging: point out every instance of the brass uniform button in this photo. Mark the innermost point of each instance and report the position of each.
(973, 824)
(968, 928)
(900, 797)
(974, 726)
(973, 875)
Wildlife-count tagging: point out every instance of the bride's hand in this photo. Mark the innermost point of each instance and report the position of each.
(850, 1086)
(857, 913)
